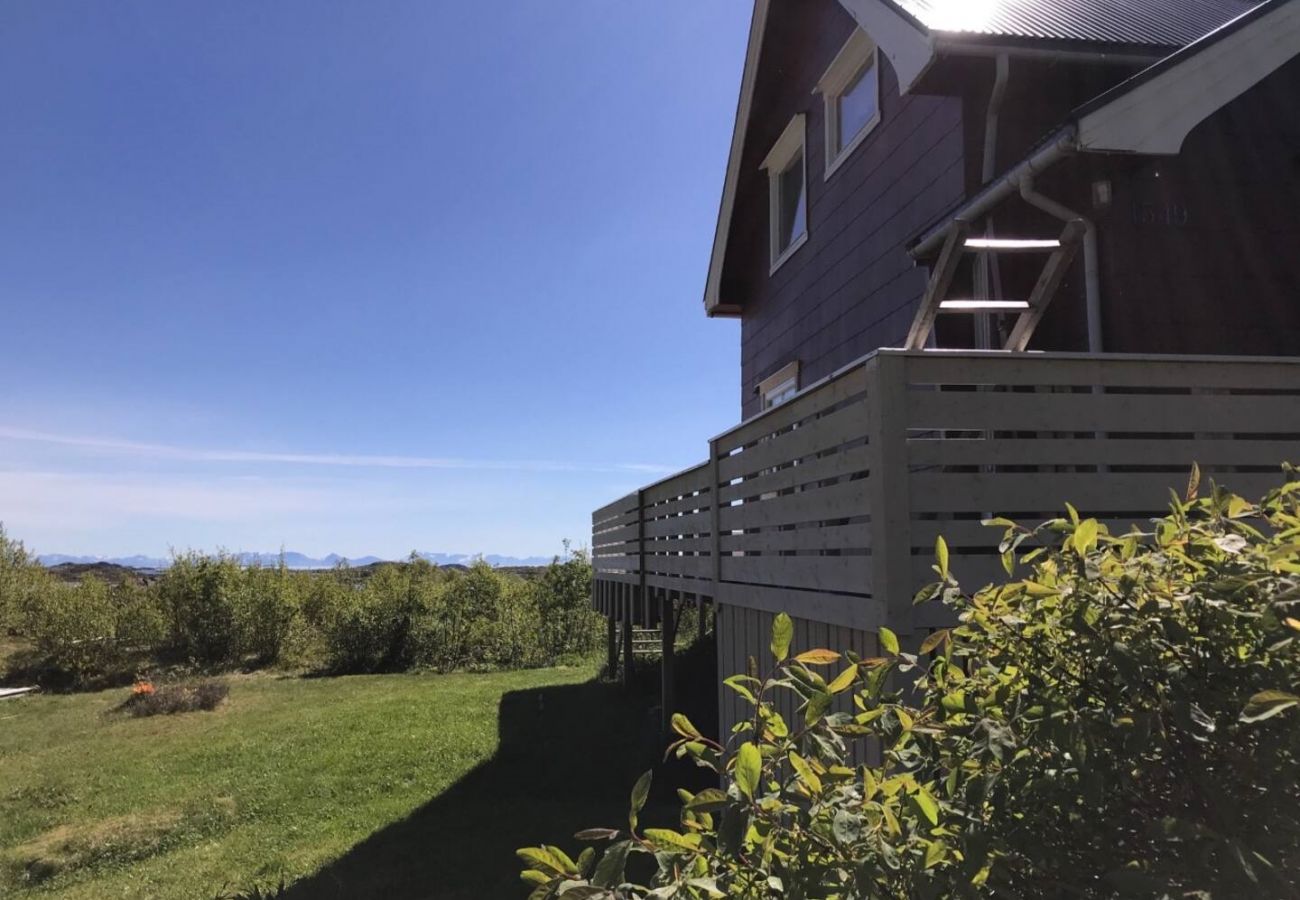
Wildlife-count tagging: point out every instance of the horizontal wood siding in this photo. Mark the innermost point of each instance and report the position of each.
(851, 287)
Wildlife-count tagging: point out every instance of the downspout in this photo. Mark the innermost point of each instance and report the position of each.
(1091, 265)
(988, 280)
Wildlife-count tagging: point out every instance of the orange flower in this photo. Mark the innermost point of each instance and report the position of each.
(142, 688)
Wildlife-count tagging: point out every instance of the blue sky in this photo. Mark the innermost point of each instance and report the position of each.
(359, 277)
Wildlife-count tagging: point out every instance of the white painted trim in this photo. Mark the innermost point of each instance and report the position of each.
(909, 48)
(793, 140)
(713, 283)
(858, 52)
(1156, 116)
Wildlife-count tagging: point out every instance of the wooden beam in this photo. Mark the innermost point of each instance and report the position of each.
(1049, 282)
(945, 268)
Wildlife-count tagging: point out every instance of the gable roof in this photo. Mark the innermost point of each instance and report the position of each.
(912, 32)
(1160, 23)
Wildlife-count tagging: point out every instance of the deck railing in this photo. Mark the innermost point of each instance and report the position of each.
(829, 505)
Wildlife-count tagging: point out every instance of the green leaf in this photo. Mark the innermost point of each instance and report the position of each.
(888, 641)
(941, 554)
(596, 834)
(707, 800)
(1085, 536)
(843, 681)
(926, 805)
(818, 703)
(540, 858)
(935, 853)
(683, 726)
(805, 772)
(609, 871)
(1267, 704)
(640, 791)
(782, 635)
(749, 769)
(817, 657)
(935, 640)
(532, 876)
(666, 838)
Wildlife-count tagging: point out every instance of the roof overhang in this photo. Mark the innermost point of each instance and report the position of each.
(1152, 113)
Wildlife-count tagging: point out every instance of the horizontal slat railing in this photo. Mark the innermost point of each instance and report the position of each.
(829, 505)
(1019, 436)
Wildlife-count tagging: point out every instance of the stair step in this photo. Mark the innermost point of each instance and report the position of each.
(1013, 245)
(978, 306)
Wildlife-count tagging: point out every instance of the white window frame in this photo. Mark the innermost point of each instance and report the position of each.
(791, 142)
(780, 386)
(858, 52)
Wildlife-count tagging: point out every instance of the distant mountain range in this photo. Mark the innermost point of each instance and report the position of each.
(297, 560)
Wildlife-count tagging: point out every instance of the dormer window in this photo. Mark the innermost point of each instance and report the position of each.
(787, 175)
(851, 91)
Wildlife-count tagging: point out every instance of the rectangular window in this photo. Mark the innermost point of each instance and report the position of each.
(780, 386)
(851, 90)
(787, 173)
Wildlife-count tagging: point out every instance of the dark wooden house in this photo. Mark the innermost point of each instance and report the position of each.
(989, 256)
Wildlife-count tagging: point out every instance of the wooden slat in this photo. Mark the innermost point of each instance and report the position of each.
(808, 403)
(1106, 371)
(613, 510)
(678, 545)
(698, 566)
(1047, 493)
(692, 524)
(839, 501)
(848, 423)
(836, 537)
(616, 563)
(850, 574)
(838, 609)
(686, 482)
(1083, 412)
(680, 505)
(1179, 452)
(835, 465)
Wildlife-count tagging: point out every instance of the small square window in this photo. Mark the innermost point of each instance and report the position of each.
(787, 173)
(780, 386)
(851, 89)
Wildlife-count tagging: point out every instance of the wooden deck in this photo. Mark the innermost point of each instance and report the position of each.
(828, 507)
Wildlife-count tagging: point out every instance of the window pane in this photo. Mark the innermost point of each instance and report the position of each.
(856, 106)
(793, 217)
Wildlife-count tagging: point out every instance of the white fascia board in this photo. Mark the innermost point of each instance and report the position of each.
(909, 48)
(1156, 116)
(713, 285)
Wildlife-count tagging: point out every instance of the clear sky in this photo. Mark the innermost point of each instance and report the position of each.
(364, 276)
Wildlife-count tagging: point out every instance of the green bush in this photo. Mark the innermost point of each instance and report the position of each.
(22, 582)
(75, 628)
(200, 595)
(265, 610)
(1123, 720)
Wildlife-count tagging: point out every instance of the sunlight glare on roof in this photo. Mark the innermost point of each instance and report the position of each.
(963, 15)
(983, 305)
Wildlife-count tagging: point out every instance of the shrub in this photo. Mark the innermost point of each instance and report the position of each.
(1121, 721)
(264, 611)
(369, 628)
(22, 582)
(200, 594)
(147, 700)
(568, 625)
(74, 628)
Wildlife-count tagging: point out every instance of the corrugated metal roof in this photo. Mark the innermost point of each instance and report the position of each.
(1163, 23)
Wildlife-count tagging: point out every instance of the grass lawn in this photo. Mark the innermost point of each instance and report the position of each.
(393, 786)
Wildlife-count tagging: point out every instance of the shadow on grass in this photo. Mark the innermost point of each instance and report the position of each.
(567, 759)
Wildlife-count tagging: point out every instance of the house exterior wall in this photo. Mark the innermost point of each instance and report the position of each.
(1197, 252)
(851, 287)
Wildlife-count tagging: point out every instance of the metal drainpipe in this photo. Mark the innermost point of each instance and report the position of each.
(1091, 266)
(988, 282)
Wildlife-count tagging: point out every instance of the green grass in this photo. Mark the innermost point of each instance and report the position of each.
(393, 786)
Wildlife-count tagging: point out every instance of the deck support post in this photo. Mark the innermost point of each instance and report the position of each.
(704, 618)
(668, 636)
(627, 635)
(611, 642)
